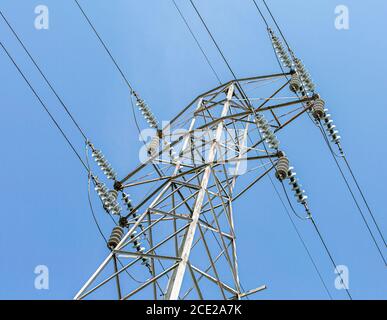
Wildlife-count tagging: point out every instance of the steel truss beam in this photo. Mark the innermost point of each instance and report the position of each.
(187, 220)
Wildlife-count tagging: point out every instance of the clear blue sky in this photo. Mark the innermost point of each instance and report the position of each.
(45, 217)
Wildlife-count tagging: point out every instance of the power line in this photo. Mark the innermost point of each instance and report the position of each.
(92, 209)
(261, 14)
(277, 25)
(267, 26)
(44, 77)
(89, 178)
(232, 72)
(311, 218)
(74, 121)
(225, 60)
(300, 237)
(213, 39)
(76, 124)
(329, 253)
(108, 51)
(290, 204)
(222, 56)
(197, 41)
(334, 156)
(228, 65)
(319, 234)
(64, 106)
(364, 199)
(105, 46)
(353, 195)
(44, 106)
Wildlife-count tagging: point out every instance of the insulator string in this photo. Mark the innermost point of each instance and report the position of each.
(197, 41)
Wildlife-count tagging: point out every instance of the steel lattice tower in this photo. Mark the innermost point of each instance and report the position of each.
(180, 239)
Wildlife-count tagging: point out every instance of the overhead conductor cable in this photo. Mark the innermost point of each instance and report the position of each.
(324, 120)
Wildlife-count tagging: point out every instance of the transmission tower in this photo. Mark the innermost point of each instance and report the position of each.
(178, 240)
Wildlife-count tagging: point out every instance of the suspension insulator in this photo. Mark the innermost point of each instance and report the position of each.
(295, 83)
(300, 68)
(100, 188)
(146, 112)
(115, 237)
(108, 197)
(138, 247)
(331, 128)
(136, 241)
(296, 187)
(153, 147)
(267, 134)
(318, 110)
(282, 53)
(304, 75)
(103, 163)
(310, 86)
(282, 168)
(128, 202)
(111, 202)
